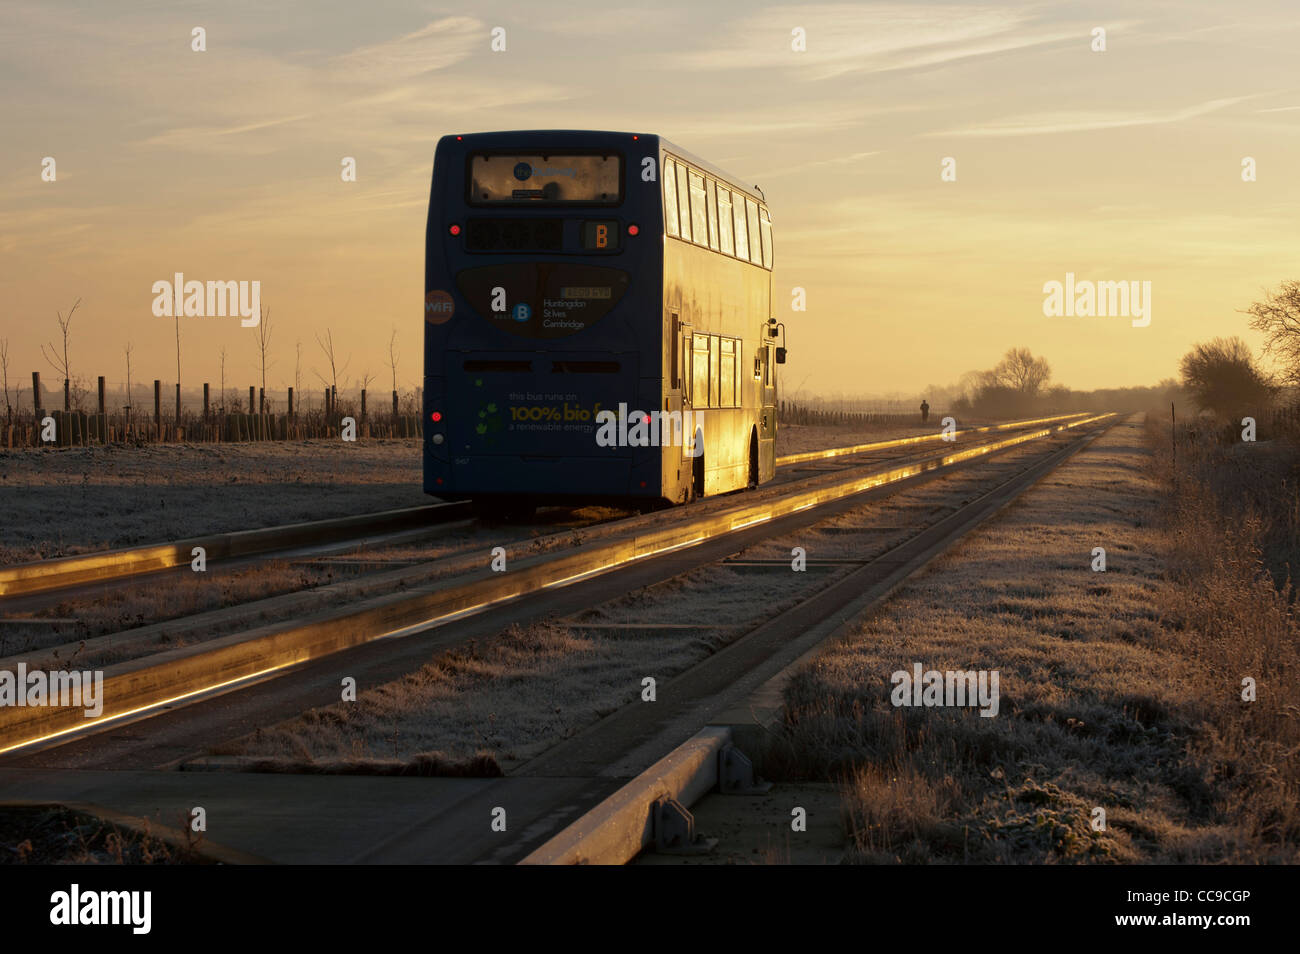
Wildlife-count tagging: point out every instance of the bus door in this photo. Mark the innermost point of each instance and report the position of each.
(684, 343)
(675, 393)
(767, 412)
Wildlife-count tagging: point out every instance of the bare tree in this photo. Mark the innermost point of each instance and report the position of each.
(4, 367)
(968, 386)
(297, 372)
(1278, 317)
(263, 342)
(60, 364)
(366, 378)
(327, 347)
(1021, 371)
(221, 405)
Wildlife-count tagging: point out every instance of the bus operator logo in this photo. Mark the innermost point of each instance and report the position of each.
(438, 307)
(522, 171)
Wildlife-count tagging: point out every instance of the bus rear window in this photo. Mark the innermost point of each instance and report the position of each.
(545, 179)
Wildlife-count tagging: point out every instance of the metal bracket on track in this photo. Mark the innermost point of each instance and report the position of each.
(736, 774)
(674, 828)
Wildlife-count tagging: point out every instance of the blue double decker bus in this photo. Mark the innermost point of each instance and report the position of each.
(598, 323)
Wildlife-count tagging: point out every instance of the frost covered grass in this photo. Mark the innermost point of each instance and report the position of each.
(1114, 693)
(75, 500)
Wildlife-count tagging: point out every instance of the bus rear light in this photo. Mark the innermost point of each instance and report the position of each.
(436, 416)
(454, 229)
(632, 230)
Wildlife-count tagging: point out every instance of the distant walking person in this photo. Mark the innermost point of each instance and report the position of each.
(925, 411)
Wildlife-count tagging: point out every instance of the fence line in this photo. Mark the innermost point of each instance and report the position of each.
(791, 413)
(43, 426)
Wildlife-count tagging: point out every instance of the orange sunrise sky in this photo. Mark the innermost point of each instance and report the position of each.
(1122, 165)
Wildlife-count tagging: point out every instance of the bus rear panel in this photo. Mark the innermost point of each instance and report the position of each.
(548, 313)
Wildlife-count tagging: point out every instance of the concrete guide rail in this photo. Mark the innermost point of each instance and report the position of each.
(618, 828)
(921, 439)
(46, 575)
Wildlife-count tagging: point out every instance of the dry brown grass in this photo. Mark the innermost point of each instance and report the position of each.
(56, 834)
(1233, 537)
(1108, 695)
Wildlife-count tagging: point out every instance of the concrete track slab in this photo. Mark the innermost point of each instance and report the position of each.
(313, 819)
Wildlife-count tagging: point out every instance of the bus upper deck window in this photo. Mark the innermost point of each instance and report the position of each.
(545, 178)
(699, 212)
(738, 218)
(670, 197)
(724, 221)
(711, 195)
(765, 225)
(683, 202)
(755, 251)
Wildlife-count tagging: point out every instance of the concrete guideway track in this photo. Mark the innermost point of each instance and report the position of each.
(540, 801)
(176, 676)
(735, 694)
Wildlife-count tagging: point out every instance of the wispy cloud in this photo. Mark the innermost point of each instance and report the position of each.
(436, 46)
(873, 38)
(1066, 121)
(808, 167)
(198, 137)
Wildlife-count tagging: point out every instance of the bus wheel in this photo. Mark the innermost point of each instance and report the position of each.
(753, 459)
(697, 476)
